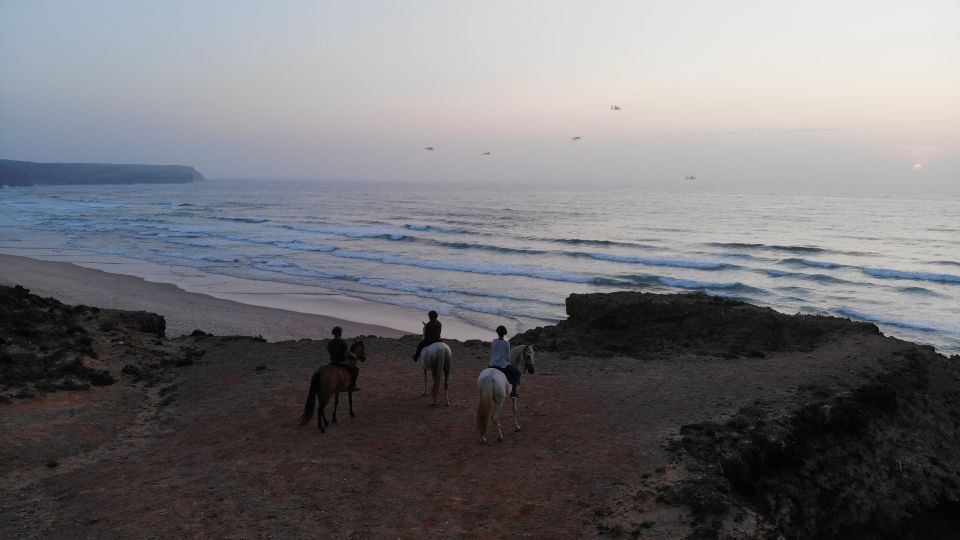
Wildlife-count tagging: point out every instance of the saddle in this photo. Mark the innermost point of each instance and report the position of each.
(510, 376)
(345, 373)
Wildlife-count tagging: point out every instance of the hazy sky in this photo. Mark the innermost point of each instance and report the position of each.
(759, 92)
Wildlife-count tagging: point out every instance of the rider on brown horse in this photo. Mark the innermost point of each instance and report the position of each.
(339, 352)
(431, 334)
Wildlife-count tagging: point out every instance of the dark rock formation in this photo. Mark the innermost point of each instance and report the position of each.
(629, 323)
(26, 173)
(876, 455)
(43, 344)
(47, 346)
(878, 461)
(142, 321)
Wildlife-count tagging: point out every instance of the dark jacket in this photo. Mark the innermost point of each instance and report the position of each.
(431, 332)
(337, 348)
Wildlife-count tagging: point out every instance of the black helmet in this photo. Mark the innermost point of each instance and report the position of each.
(501, 330)
(432, 315)
(336, 331)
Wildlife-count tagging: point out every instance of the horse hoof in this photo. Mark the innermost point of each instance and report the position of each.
(518, 429)
(354, 416)
(499, 439)
(423, 394)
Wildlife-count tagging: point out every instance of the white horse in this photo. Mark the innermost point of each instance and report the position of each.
(493, 388)
(435, 358)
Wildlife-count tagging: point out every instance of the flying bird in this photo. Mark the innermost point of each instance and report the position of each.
(614, 107)
(429, 149)
(485, 154)
(577, 138)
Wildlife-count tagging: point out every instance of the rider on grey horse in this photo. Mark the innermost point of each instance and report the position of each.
(500, 359)
(431, 334)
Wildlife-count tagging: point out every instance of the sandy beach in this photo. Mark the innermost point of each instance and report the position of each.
(220, 305)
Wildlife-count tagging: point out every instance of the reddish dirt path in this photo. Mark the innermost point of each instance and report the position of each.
(217, 450)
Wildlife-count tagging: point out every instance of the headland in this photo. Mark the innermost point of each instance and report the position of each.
(28, 173)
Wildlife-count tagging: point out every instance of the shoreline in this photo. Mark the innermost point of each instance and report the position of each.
(189, 299)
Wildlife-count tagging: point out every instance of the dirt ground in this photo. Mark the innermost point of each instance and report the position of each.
(215, 449)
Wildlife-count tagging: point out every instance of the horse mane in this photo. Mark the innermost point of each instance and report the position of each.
(359, 349)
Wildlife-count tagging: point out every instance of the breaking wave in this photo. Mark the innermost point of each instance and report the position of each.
(859, 315)
(886, 273)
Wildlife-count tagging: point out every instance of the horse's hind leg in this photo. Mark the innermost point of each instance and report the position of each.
(446, 381)
(516, 421)
(336, 401)
(497, 409)
(350, 401)
(424, 382)
(321, 417)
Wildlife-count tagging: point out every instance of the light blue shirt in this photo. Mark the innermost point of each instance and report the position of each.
(500, 353)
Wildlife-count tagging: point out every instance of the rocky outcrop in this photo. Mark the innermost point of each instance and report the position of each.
(881, 460)
(47, 346)
(26, 173)
(629, 323)
(874, 455)
(141, 321)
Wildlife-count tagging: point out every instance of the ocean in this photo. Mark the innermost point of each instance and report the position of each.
(511, 255)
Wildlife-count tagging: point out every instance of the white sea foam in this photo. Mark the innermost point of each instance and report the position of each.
(693, 284)
(467, 267)
(657, 261)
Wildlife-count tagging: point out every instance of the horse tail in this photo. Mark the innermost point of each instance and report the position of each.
(486, 403)
(440, 360)
(311, 399)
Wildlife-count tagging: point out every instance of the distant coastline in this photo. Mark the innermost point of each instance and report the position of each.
(28, 173)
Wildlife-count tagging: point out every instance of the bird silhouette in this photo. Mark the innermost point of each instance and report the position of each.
(577, 138)
(614, 107)
(429, 149)
(486, 154)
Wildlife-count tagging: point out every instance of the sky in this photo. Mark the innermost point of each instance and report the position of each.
(757, 93)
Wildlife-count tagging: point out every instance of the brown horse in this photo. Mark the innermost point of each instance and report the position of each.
(328, 381)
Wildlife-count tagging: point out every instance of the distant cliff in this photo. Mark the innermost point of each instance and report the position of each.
(26, 173)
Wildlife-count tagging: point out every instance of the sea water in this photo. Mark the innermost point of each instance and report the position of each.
(511, 256)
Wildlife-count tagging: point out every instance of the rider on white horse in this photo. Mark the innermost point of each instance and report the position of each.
(431, 334)
(500, 359)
